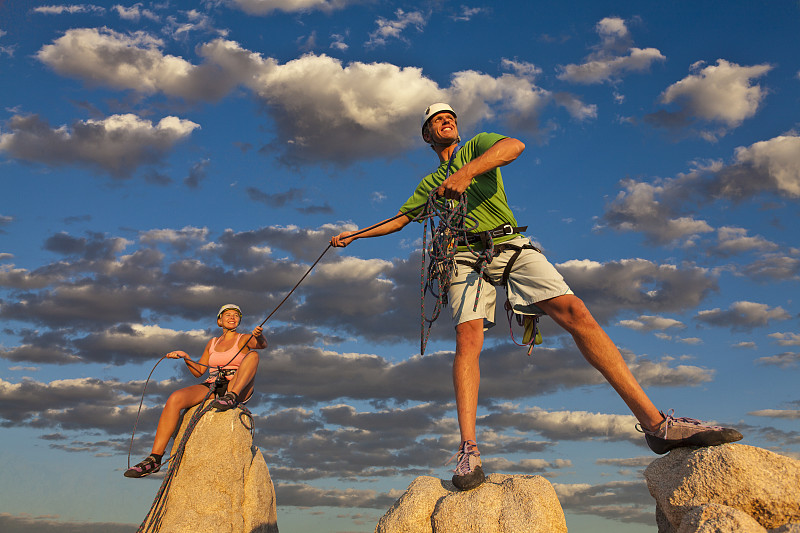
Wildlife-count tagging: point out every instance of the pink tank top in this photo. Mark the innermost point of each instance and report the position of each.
(217, 358)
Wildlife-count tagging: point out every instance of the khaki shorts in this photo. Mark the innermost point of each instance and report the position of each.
(532, 279)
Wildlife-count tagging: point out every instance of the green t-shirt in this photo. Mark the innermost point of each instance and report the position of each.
(486, 197)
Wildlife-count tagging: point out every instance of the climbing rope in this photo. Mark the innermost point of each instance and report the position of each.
(454, 226)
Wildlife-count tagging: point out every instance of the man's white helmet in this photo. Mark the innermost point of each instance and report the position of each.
(435, 109)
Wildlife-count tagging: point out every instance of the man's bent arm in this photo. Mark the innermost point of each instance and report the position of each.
(500, 154)
(382, 228)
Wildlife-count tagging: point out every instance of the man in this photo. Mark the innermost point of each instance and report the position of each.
(534, 287)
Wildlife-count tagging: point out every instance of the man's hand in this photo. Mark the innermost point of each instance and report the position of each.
(453, 187)
(342, 240)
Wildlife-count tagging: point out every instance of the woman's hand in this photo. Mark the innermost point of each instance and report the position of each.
(258, 331)
(177, 354)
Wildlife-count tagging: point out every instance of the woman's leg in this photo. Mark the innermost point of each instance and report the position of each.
(242, 382)
(180, 399)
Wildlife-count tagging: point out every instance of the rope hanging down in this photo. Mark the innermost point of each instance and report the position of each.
(453, 229)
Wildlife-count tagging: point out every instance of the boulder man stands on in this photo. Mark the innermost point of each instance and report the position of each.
(534, 287)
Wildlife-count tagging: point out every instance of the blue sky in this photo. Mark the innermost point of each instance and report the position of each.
(161, 159)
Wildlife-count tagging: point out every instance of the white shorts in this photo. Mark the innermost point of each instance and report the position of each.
(532, 279)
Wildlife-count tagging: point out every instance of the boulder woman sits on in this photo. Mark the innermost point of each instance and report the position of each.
(230, 354)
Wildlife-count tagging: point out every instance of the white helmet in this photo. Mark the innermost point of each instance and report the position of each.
(229, 306)
(435, 109)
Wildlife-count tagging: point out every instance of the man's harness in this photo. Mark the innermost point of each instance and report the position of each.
(456, 228)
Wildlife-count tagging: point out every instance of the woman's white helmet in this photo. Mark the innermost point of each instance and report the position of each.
(435, 109)
(226, 307)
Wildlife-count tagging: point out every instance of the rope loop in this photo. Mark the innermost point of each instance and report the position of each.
(453, 228)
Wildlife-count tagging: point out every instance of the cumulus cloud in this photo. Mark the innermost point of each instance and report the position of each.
(723, 93)
(638, 208)
(301, 495)
(636, 284)
(467, 13)
(626, 501)
(393, 29)
(12, 523)
(743, 314)
(662, 210)
(266, 7)
(652, 323)
(69, 9)
(180, 239)
(786, 339)
(117, 144)
(323, 110)
(783, 360)
(135, 12)
(733, 240)
(777, 413)
(775, 266)
(612, 58)
(134, 61)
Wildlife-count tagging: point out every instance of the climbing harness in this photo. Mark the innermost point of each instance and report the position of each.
(456, 228)
(530, 322)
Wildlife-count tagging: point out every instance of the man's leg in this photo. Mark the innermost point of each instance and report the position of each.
(662, 433)
(570, 313)
(467, 375)
(466, 382)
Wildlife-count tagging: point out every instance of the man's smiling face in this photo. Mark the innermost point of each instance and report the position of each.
(442, 128)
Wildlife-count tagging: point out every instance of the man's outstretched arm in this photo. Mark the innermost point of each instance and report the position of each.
(377, 230)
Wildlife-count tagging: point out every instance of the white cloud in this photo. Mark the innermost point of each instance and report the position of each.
(776, 162)
(783, 360)
(662, 209)
(636, 284)
(777, 413)
(566, 425)
(338, 42)
(134, 61)
(393, 29)
(786, 339)
(134, 12)
(743, 314)
(733, 240)
(613, 57)
(322, 109)
(69, 9)
(178, 238)
(719, 93)
(467, 13)
(638, 208)
(117, 144)
(265, 7)
(652, 323)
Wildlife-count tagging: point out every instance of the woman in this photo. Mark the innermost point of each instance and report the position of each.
(231, 352)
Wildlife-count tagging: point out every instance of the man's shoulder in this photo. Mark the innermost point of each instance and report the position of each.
(486, 137)
(482, 142)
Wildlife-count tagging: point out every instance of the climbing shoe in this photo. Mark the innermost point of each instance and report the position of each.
(468, 471)
(228, 401)
(674, 432)
(149, 466)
